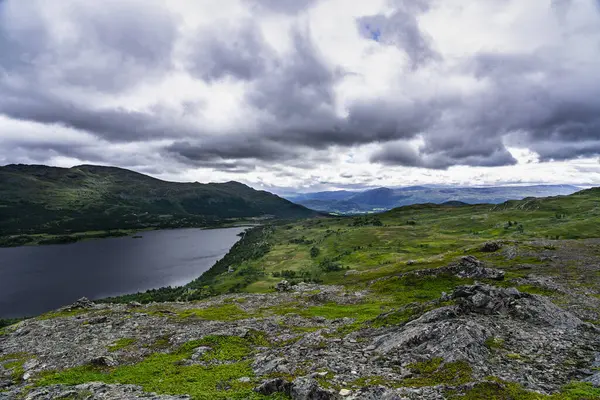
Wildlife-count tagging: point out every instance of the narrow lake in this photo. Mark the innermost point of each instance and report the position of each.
(34, 280)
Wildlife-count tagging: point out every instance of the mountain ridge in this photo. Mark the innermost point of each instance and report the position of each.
(42, 199)
(382, 198)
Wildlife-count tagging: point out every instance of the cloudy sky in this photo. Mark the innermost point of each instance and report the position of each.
(306, 94)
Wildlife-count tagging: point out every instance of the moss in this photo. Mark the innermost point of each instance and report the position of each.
(359, 312)
(63, 314)
(514, 356)
(324, 378)
(228, 348)
(161, 343)
(436, 372)
(225, 312)
(15, 362)
(344, 330)
(536, 290)
(417, 289)
(494, 343)
(579, 391)
(165, 373)
(496, 389)
(121, 344)
(305, 329)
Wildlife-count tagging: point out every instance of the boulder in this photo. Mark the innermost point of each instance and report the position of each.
(283, 286)
(308, 389)
(103, 361)
(272, 386)
(490, 247)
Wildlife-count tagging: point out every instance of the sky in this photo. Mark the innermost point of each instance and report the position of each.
(306, 95)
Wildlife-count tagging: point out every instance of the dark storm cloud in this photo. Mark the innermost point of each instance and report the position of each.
(114, 124)
(107, 49)
(543, 103)
(217, 149)
(236, 51)
(404, 154)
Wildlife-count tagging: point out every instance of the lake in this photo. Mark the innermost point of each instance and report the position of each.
(37, 279)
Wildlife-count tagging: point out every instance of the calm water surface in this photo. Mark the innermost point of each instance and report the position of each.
(34, 280)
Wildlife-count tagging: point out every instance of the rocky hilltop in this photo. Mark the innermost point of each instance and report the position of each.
(480, 341)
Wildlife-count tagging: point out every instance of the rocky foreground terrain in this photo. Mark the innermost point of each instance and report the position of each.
(483, 340)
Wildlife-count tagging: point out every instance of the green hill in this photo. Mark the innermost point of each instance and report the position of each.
(412, 237)
(41, 199)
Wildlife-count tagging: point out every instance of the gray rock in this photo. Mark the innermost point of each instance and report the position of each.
(594, 379)
(103, 361)
(308, 389)
(200, 351)
(272, 386)
(490, 247)
(283, 286)
(264, 365)
(465, 267)
(82, 303)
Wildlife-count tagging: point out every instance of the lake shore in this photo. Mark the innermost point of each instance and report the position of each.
(41, 239)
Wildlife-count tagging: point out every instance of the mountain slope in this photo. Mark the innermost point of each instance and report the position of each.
(58, 200)
(381, 199)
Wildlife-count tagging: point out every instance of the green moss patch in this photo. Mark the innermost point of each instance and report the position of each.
(436, 372)
(166, 374)
(494, 343)
(63, 314)
(496, 389)
(536, 290)
(15, 362)
(225, 312)
(121, 344)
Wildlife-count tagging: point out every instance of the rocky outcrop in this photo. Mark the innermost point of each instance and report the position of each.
(465, 267)
(498, 331)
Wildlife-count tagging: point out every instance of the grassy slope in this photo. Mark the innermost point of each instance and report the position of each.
(36, 199)
(431, 235)
(404, 239)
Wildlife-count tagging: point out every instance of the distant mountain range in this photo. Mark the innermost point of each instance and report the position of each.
(36, 198)
(381, 199)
